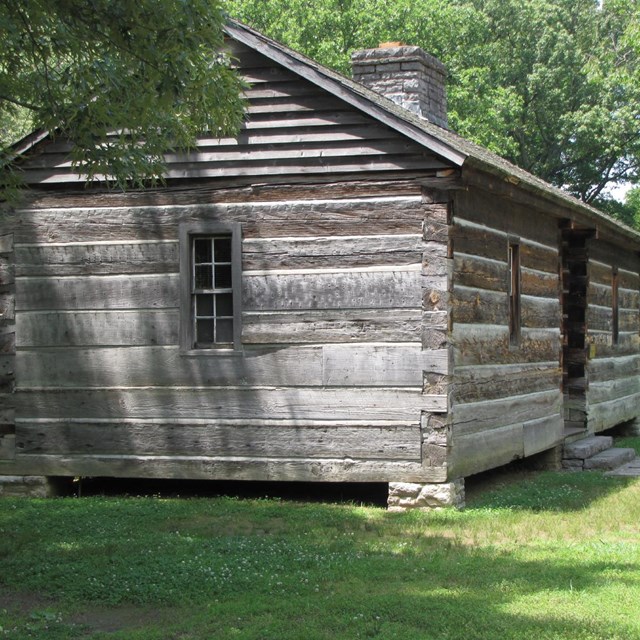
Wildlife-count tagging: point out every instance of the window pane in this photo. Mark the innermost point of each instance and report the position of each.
(204, 305)
(204, 331)
(202, 250)
(203, 277)
(224, 305)
(223, 276)
(223, 249)
(225, 330)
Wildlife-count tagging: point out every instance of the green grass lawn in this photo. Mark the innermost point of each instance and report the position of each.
(534, 556)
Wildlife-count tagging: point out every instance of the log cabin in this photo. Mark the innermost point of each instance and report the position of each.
(348, 291)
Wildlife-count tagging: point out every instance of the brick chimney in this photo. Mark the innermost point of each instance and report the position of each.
(407, 75)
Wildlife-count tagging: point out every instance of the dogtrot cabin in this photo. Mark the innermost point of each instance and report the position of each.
(348, 291)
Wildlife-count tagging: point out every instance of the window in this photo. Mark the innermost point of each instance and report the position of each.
(514, 293)
(210, 258)
(615, 311)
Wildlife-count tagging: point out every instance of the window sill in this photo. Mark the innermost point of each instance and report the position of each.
(217, 353)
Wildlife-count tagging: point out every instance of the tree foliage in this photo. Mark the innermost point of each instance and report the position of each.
(552, 85)
(124, 81)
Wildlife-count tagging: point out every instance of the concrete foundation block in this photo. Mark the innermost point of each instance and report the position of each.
(412, 495)
(26, 487)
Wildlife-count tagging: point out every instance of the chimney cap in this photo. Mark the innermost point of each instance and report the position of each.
(391, 45)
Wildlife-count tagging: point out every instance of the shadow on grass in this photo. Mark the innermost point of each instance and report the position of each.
(320, 570)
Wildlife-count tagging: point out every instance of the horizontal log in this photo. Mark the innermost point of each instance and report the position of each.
(488, 415)
(478, 452)
(542, 434)
(483, 242)
(98, 292)
(97, 259)
(332, 365)
(600, 273)
(333, 290)
(602, 295)
(264, 291)
(473, 384)
(339, 441)
(613, 389)
(483, 208)
(98, 328)
(612, 254)
(171, 195)
(602, 369)
(212, 468)
(318, 326)
(628, 320)
(493, 275)
(474, 306)
(485, 344)
(605, 415)
(601, 344)
(345, 217)
(302, 403)
(331, 251)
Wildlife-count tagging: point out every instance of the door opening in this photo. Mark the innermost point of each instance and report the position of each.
(574, 282)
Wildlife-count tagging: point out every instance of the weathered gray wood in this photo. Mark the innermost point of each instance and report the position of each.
(540, 435)
(482, 344)
(600, 273)
(212, 468)
(6, 242)
(317, 326)
(612, 389)
(337, 365)
(7, 409)
(489, 415)
(331, 251)
(96, 259)
(395, 288)
(315, 165)
(229, 402)
(473, 384)
(373, 365)
(608, 253)
(601, 369)
(478, 452)
(97, 292)
(480, 306)
(7, 272)
(346, 217)
(601, 346)
(7, 305)
(483, 208)
(98, 328)
(608, 414)
(336, 441)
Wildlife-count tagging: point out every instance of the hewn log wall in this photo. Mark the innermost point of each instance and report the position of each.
(506, 401)
(7, 344)
(329, 385)
(613, 369)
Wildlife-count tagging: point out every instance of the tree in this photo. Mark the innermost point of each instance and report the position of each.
(124, 81)
(552, 85)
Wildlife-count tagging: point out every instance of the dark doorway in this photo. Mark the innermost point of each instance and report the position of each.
(574, 283)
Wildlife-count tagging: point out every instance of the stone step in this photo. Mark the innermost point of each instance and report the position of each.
(587, 447)
(610, 459)
(631, 469)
